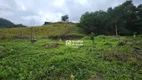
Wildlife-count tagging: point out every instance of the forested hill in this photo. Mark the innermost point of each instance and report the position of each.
(4, 23)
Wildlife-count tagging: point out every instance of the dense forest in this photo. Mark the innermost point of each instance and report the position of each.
(125, 19)
(4, 23)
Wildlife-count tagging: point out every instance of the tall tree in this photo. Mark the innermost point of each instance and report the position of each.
(93, 22)
(124, 19)
(138, 22)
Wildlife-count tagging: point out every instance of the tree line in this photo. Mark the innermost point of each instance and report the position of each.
(125, 19)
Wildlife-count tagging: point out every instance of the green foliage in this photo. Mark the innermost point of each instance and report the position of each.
(65, 18)
(5, 23)
(105, 59)
(93, 22)
(123, 19)
(92, 36)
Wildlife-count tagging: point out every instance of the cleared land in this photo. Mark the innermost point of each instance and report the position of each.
(108, 58)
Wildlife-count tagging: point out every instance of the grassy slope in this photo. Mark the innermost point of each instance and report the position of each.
(108, 58)
(39, 32)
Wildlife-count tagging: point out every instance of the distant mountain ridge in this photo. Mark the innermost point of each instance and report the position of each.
(4, 23)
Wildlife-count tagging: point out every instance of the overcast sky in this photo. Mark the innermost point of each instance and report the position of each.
(36, 12)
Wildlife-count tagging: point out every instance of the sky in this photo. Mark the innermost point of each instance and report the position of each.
(36, 12)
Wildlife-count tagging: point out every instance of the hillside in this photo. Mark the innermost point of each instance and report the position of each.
(45, 31)
(6, 23)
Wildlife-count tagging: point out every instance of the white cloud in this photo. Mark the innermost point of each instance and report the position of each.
(82, 2)
(59, 3)
(50, 16)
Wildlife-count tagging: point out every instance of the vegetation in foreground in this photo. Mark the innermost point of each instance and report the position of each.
(105, 58)
(108, 58)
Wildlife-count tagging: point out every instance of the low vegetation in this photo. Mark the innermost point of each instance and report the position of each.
(42, 52)
(108, 58)
(45, 31)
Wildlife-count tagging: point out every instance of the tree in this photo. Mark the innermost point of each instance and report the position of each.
(138, 22)
(139, 11)
(65, 18)
(93, 22)
(92, 36)
(124, 19)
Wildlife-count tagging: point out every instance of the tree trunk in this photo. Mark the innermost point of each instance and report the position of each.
(116, 30)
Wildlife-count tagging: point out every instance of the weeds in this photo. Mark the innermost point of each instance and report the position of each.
(46, 59)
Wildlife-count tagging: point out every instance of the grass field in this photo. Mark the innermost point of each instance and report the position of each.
(108, 58)
(54, 29)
